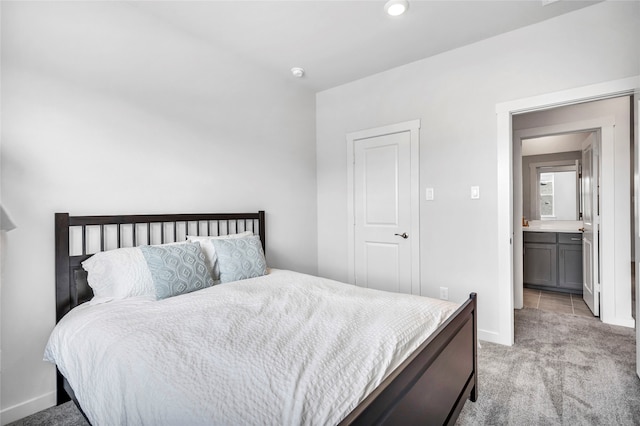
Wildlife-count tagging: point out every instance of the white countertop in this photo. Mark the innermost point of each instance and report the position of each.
(553, 226)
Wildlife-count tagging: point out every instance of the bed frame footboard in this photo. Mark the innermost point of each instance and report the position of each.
(433, 384)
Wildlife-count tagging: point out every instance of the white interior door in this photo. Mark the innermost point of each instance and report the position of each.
(382, 207)
(590, 217)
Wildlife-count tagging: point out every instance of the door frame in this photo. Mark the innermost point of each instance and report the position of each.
(413, 127)
(504, 144)
(636, 217)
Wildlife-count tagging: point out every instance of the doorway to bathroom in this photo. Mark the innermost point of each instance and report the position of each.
(558, 215)
(572, 233)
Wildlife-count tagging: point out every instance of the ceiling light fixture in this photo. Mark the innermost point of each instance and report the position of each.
(297, 72)
(396, 7)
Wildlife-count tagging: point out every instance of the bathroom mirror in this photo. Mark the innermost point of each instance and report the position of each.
(553, 191)
(558, 193)
(551, 177)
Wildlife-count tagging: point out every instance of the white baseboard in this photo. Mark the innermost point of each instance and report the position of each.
(24, 409)
(491, 336)
(621, 322)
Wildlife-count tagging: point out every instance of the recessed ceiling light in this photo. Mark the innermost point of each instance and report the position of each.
(396, 7)
(297, 72)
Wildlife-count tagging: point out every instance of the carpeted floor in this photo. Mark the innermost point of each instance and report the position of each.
(563, 370)
(63, 415)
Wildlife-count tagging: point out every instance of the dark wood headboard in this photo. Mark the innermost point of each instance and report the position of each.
(71, 279)
(90, 234)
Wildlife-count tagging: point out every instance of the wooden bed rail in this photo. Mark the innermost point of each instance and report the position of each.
(433, 383)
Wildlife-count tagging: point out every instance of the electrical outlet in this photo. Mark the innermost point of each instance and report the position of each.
(444, 293)
(475, 192)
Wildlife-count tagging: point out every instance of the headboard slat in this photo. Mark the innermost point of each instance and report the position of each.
(84, 239)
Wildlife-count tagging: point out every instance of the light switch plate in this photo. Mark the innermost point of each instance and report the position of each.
(475, 192)
(444, 293)
(429, 194)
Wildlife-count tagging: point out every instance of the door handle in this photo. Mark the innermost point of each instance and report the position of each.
(581, 229)
(403, 235)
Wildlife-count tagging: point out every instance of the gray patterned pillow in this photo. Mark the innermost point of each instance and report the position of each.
(240, 258)
(176, 269)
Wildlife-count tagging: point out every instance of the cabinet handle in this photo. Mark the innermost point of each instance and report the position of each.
(576, 239)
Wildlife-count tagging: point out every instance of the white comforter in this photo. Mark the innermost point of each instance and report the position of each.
(284, 349)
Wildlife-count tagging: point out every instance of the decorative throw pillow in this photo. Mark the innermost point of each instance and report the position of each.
(177, 269)
(240, 258)
(210, 257)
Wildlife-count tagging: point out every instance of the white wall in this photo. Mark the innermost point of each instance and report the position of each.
(455, 95)
(108, 111)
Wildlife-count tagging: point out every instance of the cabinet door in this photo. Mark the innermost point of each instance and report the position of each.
(570, 266)
(540, 263)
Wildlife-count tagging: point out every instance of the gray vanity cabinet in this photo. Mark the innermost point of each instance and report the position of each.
(553, 261)
(540, 259)
(570, 261)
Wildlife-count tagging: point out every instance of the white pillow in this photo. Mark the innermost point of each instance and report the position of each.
(210, 257)
(120, 273)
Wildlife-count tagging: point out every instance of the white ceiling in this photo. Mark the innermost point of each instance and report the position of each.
(341, 41)
(567, 142)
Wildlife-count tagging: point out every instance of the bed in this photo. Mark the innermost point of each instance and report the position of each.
(427, 384)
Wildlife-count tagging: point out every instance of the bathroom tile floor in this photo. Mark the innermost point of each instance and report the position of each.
(564, 303)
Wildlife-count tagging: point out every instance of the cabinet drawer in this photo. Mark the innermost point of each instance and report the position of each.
(570, 238)
(539, 237)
